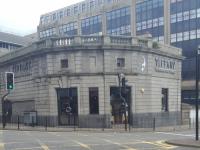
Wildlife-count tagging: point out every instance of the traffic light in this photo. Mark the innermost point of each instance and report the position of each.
(9, 80)
(124, 84)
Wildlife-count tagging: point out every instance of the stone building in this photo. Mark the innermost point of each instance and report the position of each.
(173, 22)
(79, 74)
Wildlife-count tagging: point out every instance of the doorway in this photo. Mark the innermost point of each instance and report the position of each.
(116, 104)
(67, 106)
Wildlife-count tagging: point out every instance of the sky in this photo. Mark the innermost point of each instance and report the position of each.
(21, 17)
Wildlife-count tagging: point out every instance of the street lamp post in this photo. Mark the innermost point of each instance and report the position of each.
(197, 93)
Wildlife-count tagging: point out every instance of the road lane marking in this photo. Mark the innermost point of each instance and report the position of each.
(2, 146)
(31, 148)
(160, 144)
(83, 145)
(119, 144)
(190, 135)
(44, 147)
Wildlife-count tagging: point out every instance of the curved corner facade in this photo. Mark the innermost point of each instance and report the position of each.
(82, 72)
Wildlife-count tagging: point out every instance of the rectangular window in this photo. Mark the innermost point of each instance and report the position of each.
(94, 100)
(64, 63)
(83, 7)
(75, 9)
(91, 4)
(120, 62)
(165, 100)
(68, 12)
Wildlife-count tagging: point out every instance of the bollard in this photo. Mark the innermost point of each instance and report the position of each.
(154, 124)
(103, 122)
(18, 122)
(46, 123)
(74, 122)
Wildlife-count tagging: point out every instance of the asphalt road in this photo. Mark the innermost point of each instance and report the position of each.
(35, 140)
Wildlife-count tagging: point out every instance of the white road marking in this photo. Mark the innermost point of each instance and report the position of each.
(175, 134)
(83, 145)
(119, 144)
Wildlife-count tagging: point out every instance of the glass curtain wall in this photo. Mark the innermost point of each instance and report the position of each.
(150, 19)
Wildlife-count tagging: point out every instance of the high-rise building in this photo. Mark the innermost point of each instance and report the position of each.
(175, 22)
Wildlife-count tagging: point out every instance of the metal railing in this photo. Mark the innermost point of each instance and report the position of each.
(75, 123)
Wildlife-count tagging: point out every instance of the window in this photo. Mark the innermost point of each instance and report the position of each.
(198, 13)
(173, 18)
(68, 12)
(60, 14)
(186, 15)
(193, 34)
(164, 100)
(75, 9)
(64, 63)
(69, 29)
(92, 25)
(54, 16)
(173, 38)
(179, 17)
(91, 4)
(198, 33)
(118, 22)
(186, 35)
(120, 62)
(94, 100)
(83, 7)
(47, 33)
(192, 14)
(179, 37)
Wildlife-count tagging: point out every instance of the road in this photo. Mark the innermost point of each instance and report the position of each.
(35, 140)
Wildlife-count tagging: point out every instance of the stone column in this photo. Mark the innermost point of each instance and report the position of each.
(133, 17)
(167, 29)
(104, 24)
(79, 25)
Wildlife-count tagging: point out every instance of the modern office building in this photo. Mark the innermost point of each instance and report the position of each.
(175, 22)
(76, 77)
(10, 42)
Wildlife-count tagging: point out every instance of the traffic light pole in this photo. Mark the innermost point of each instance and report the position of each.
(197, 95)
(3, 111)
(124, 100)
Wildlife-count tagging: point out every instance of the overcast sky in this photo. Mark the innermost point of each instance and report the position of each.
(22, 16)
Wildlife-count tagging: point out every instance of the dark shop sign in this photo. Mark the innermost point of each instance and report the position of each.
(165, 65)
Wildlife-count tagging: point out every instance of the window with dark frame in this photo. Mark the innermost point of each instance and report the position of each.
(164, 99)
(94, 100)
(120, 62)
(64, 63)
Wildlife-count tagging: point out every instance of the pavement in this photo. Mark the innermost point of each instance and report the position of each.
(184, 142)
(86, 140)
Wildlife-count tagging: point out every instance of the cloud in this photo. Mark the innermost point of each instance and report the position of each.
(22, 16)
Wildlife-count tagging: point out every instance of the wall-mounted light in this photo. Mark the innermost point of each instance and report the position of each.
(142, 90)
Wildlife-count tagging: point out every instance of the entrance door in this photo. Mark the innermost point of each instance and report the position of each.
(67, 106)
(117, 107)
